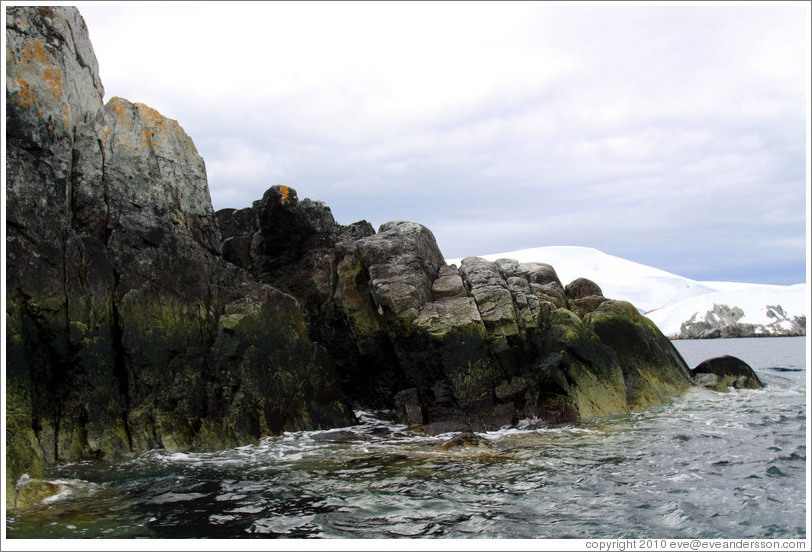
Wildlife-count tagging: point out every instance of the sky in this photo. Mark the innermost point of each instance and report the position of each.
(671, 135)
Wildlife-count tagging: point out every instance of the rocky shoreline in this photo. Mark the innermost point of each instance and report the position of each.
(138, 318)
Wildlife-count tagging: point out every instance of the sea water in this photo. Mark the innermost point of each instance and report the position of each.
(705, 465)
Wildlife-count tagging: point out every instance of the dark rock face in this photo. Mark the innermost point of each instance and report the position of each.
(126, 328)
(723, 372)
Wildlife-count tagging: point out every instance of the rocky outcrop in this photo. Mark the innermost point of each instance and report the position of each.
(725, 321)
(137, 318)
(448, 348)
(725, 372)
(126, 329)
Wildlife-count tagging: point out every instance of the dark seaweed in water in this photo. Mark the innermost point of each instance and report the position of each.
(706, 465)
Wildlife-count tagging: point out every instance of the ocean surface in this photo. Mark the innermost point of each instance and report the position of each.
(706, 465)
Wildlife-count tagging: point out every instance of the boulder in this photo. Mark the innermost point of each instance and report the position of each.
(583, 296)
(408, 408)
(580, 288)
(722, 373)
(403, 261)
(492, 295)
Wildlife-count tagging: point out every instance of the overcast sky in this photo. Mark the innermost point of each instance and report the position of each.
(672, 136)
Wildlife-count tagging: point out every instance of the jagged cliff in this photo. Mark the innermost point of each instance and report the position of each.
(138, 318)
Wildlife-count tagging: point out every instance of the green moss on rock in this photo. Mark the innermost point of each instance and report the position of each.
(653, 369)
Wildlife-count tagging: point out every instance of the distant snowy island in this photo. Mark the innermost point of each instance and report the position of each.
(682, 308)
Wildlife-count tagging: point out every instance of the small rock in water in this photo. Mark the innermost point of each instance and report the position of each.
(466, 439)
(31, 491)
(726, 371)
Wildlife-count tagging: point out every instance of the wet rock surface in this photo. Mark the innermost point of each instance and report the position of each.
(725, 372)
(466, 439)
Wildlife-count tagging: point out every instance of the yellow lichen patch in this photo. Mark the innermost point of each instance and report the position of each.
(189, 143)
(153, 135)
(117, 105)
(148, 138)
(124, 140)
(158, 128)
(286, 195)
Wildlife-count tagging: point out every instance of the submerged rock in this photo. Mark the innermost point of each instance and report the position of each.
(30, 491)
(466, 439)
(722, 373)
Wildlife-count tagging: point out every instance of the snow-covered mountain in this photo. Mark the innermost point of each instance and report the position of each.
(680, 307)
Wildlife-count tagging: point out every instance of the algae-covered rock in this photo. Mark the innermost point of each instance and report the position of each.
(653, 370)
(30, 491)
(446, 348)
(138, 318)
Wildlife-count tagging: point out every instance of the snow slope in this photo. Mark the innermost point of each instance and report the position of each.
(668, 299)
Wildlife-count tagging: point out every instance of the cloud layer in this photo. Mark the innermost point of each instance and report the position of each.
(672, 136)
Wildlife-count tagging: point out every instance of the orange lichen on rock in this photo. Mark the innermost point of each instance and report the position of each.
(286, 195)
(116, 105)
(150, 116)
(27, 68)
(66, 116)
(158, 128)
(24, 97)
(119, 111)
(53, 78)
(34, 52)
(121, 117)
